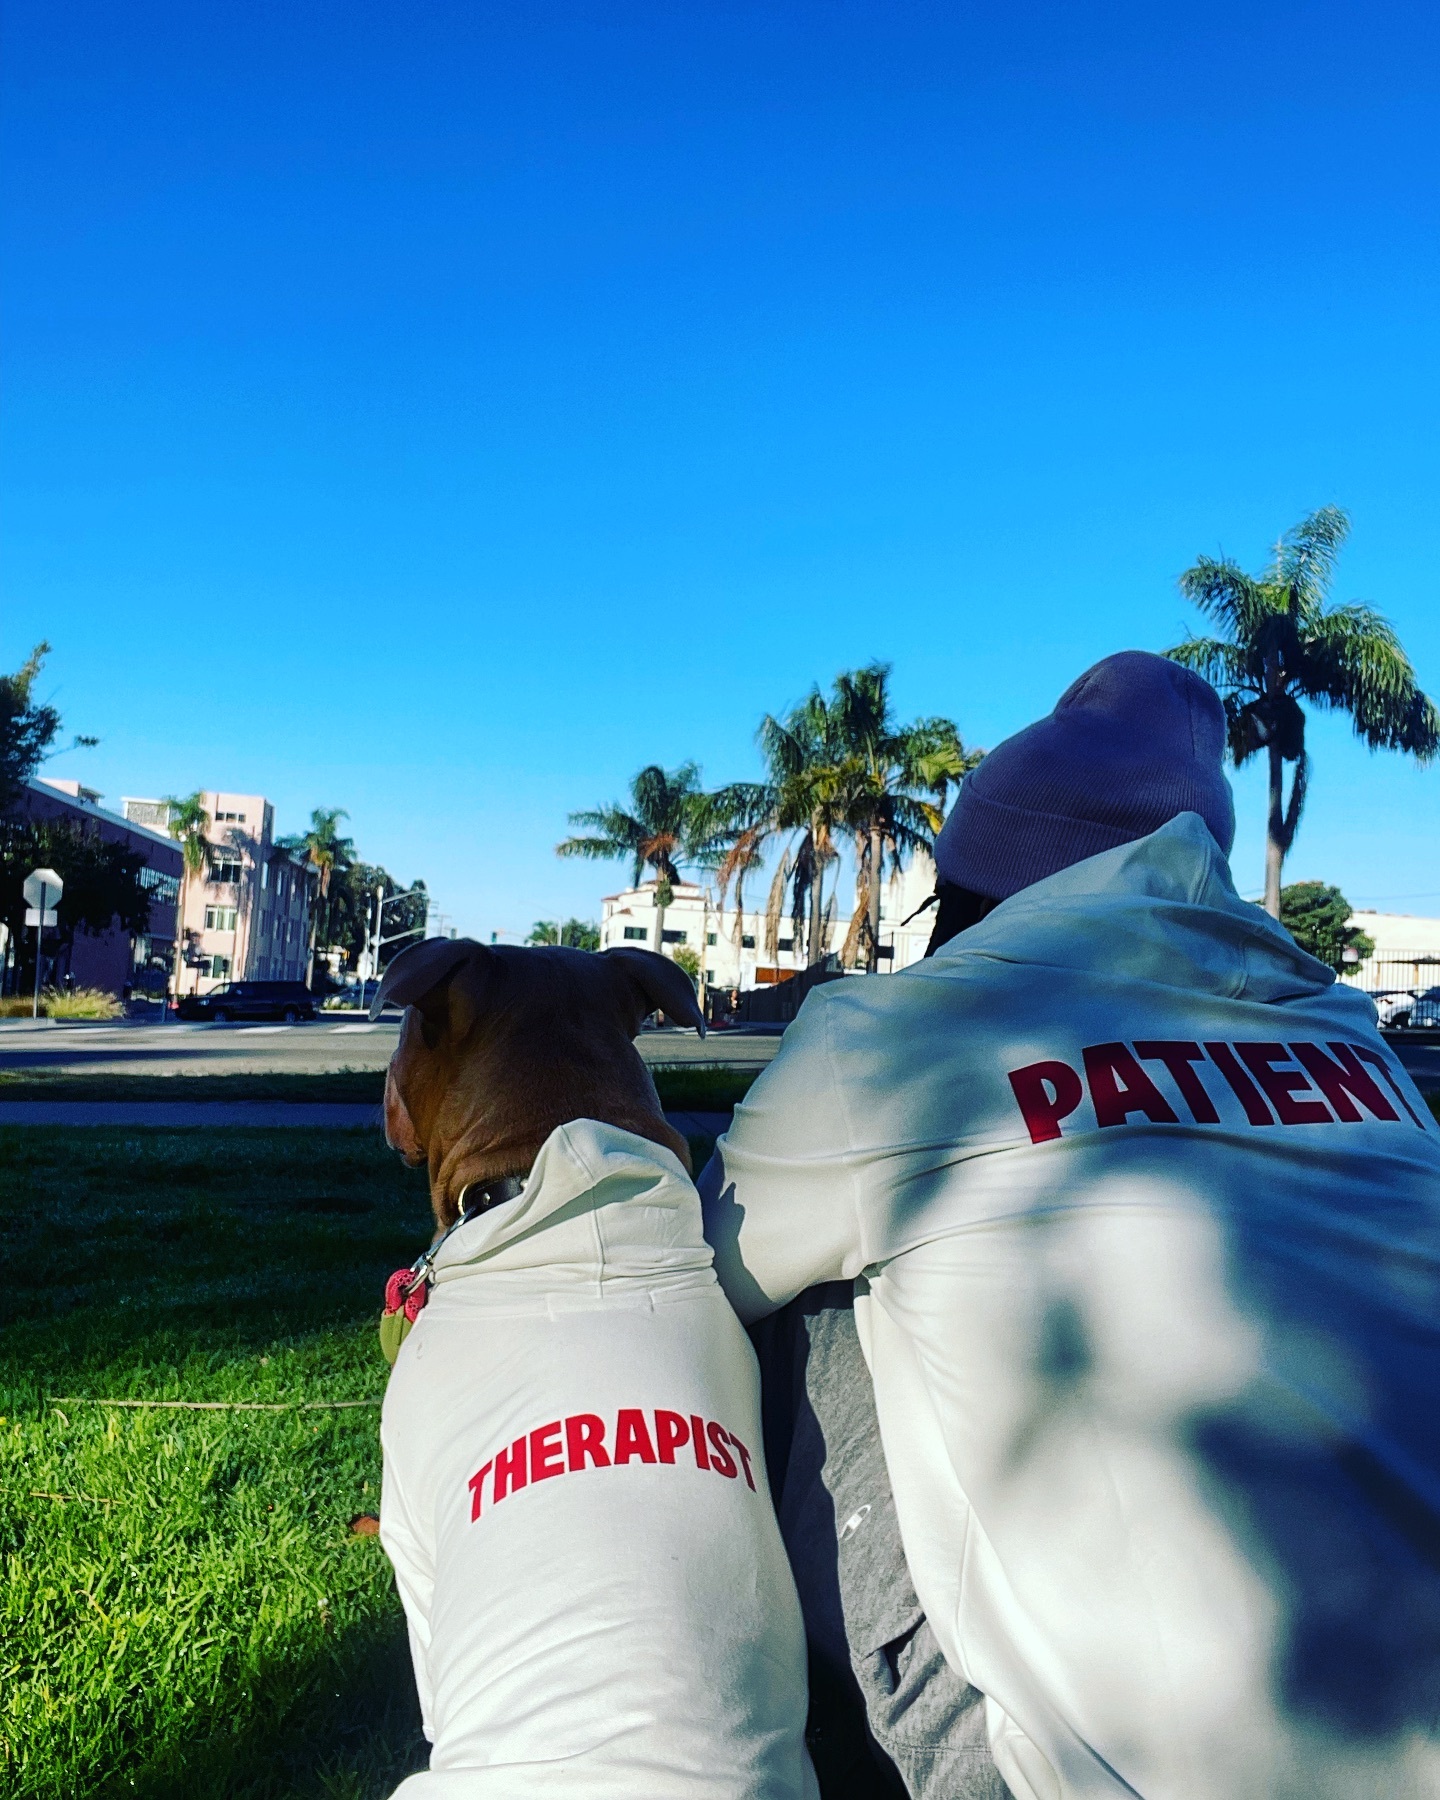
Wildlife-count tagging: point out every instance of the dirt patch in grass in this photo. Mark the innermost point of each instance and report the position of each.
(183, 1607)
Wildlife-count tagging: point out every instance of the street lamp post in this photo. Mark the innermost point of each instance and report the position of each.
(378, 941)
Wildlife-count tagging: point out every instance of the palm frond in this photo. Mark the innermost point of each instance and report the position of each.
(1351, 660)
(774, 905)
(1223, 665)
(1308, 553)
(1290, 821)
(1224, 592)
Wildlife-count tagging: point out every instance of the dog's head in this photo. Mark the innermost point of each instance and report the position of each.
(500, 1045)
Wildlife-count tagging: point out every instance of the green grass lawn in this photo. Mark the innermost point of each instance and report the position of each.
(184, 1609)
(366, 1085)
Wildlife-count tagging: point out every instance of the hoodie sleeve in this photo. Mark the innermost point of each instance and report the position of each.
(778, 1193)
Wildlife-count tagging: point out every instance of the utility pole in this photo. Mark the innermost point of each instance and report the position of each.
(379, 941)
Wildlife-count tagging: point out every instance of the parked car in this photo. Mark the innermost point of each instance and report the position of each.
(287, 1000)
(1425, 1013)
(1415, 1012)
(1393, 1005)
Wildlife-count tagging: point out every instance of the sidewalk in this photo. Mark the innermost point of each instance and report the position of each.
(268, 1114)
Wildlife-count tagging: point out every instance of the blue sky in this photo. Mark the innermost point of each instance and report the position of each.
(440, 410)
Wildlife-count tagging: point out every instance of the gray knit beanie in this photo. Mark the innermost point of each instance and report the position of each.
(1136, 740)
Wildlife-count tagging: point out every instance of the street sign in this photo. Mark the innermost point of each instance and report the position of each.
(32, 917)
(41, 887)
(47, 879)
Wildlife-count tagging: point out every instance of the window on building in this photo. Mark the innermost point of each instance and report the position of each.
(709, 978)
(636, 934)
(672, 937)
(710, 940)
(219, 918)
(165, 888)
(785, 944)
(747, 942)
(264, 875)
(219, 969)
(225, 865)
(239, 818)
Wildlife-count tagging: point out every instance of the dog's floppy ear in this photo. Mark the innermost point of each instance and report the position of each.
(663, 986)
(443, 978)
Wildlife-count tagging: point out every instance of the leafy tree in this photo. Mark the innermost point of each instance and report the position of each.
(1316, 914)
(660, 830)
(1282, 643)
(688, 959)
(27, 729)
(351, 911)
(188, 823)
(104, 885)
(579, 934)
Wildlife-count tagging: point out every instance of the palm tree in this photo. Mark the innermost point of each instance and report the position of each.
(734, 827)
(835, 764)
(659, 831)
(573, 934)
(188, 823)
(1281, 644)
(325, 851)
(804, 753)
(896, 779)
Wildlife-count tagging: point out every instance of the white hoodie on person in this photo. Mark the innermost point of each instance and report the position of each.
(1145, 1224)
(576, 1507)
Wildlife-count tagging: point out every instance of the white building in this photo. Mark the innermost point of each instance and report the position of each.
(734, 949)
(1407, 951)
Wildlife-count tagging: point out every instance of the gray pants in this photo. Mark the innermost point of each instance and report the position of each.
(888, 1715)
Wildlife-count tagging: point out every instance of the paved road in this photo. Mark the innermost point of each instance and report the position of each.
(1423, 1062)
(328, 1045)
(311, 1049)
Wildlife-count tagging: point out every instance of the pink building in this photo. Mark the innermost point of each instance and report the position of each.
(247, 915)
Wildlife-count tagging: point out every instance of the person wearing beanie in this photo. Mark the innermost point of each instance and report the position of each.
(1138, 1223)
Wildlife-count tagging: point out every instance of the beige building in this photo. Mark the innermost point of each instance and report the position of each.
(247, 916)
(1406, 955)
(734, 949)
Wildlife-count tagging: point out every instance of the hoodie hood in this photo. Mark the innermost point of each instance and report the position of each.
(600, 1205)
(1163, 909)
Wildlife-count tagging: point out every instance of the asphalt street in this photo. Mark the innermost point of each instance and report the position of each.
(322, 1047)
(329, 1045)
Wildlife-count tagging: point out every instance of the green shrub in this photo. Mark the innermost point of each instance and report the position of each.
(82, 1003)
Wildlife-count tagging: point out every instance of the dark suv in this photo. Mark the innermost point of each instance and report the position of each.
(1423, 1012)
(287, 1000)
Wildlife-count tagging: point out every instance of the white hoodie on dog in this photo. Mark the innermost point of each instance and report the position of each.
(576, 1507)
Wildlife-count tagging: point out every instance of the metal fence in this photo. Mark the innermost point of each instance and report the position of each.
(1388, 969)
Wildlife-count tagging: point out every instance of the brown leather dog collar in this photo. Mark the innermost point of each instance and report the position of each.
(480, 1196)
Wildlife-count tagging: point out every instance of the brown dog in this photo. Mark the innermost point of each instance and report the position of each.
(501, 1045)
